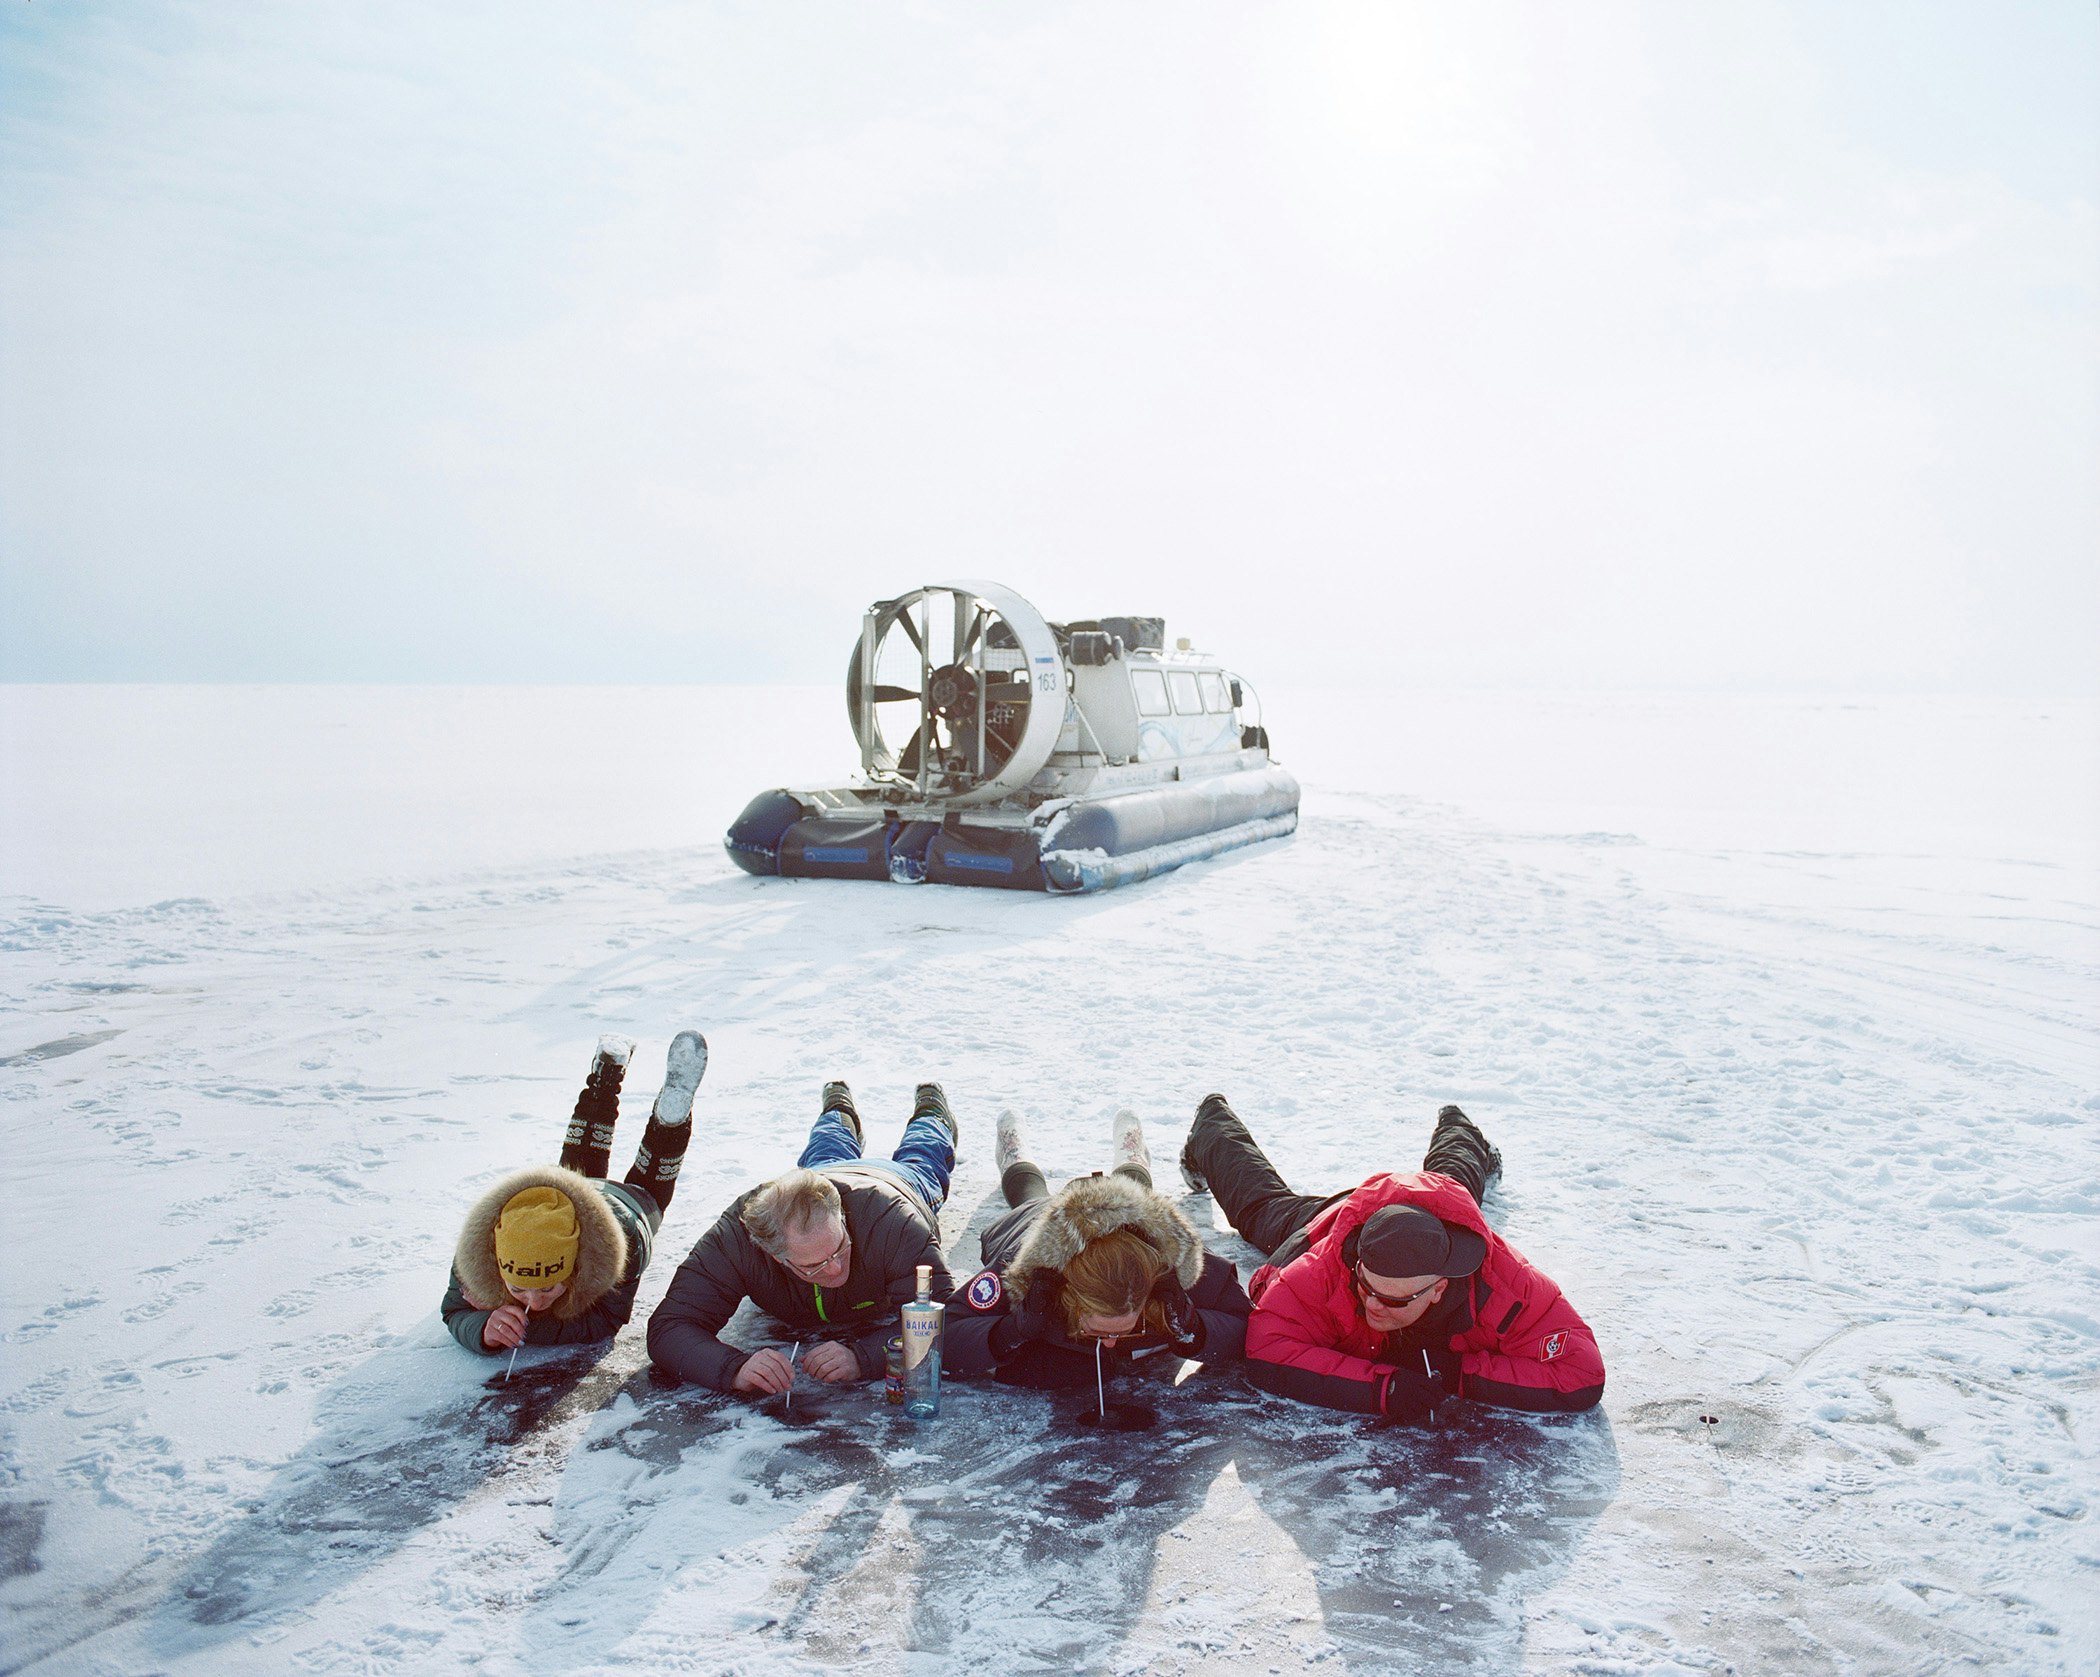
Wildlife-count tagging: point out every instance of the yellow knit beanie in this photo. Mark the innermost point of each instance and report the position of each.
(536, 1239)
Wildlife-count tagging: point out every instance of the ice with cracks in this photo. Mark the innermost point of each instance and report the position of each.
(1781, 1011)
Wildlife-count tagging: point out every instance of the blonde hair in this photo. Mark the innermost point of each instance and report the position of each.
(794, 1202)
(1112, 1275)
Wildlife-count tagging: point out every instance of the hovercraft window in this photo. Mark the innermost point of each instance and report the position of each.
(1186, 699)
(1151, 688)
(1214, 695)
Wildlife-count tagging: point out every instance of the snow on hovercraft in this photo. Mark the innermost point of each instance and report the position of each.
(1036, 756)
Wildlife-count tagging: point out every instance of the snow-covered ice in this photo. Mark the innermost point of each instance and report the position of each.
(1781, 1009)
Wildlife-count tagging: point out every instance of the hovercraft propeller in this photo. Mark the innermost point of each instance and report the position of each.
(970, 677)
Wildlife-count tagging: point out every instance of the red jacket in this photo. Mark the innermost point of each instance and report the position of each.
(1520, 1344)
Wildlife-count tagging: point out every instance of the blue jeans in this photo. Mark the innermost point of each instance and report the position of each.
(925, 1157)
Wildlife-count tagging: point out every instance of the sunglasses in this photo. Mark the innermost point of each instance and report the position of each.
(1366, 1290)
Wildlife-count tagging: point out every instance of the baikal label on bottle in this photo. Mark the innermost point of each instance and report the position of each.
(921, 1321)
(893, 1370)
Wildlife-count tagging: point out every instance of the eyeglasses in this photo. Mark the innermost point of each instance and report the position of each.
(809, 1272)
(1366, 1290)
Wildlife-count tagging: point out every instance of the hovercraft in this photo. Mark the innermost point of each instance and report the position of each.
(1036, 756)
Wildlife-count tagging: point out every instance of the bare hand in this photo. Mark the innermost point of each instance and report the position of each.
(504, 1328)
(833, 1362)
(764, 1372)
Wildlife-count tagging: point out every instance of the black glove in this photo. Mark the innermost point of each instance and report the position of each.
(1179, 1316)
(1032, 1316)
(1412, 1396)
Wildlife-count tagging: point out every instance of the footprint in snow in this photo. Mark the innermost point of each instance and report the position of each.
(162, 1302)
(40, 1393)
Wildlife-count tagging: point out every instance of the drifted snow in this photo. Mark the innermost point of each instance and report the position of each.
(1781, 1010)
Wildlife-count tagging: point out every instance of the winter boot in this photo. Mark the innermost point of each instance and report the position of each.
(1459, 1149)
(684, 1066)
(1020, 1178)
(587, 1148)
(1006, 1147)
(662, 1151)
(838, 1098)
(1132, 1157)
(929, 1102)
(1189, 1173)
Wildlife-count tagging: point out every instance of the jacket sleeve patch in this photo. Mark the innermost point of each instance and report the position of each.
(1555, 1342)
(985, 1290)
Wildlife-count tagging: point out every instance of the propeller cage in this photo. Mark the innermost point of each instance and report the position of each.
(970, 678)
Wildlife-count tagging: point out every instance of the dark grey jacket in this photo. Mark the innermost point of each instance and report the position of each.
(893, 1233)
(1044, 1235)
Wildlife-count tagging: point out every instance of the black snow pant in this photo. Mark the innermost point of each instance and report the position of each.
(588, 1147)
(1259, 1204)
(1023, 1180)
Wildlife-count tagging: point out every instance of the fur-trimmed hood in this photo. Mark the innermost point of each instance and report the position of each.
(1090, 1206)
(601, 1244)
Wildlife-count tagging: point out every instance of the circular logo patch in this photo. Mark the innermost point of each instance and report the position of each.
(984, 1290)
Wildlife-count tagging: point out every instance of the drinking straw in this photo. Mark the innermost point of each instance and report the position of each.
(787, 1398)
(514, 1350)
(1100, 1391)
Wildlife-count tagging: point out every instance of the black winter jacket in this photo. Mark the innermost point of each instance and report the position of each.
(1044, 1235)
(892, 1231)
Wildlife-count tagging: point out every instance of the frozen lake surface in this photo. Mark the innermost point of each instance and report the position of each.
(1782, 1011)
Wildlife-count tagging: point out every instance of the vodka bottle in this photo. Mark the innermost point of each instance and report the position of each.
(921, 1322)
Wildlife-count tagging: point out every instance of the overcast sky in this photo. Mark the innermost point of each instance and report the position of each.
(1548, 344)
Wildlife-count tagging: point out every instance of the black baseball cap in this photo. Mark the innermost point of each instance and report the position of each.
(1404, 1240)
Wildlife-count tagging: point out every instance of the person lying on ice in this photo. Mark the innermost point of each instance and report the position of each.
(830, 1249)
(552, 1255)
(1395, 1296)
(1102, 1262)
